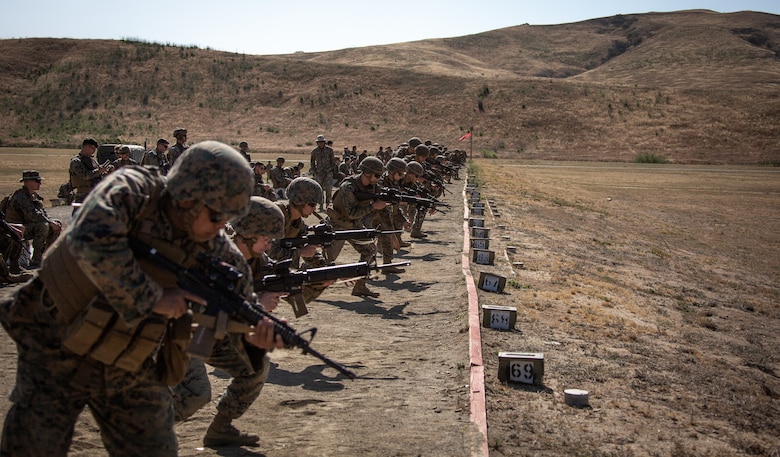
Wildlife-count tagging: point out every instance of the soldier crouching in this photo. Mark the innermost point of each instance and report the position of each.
(99, 327)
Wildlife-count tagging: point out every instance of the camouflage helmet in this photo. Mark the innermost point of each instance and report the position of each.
(422, 150)
(265, 218)
(415, 168)
(304, 190)
(396, 165)
(180, 132)
(214, 174)
(414, 141)
(372, 165)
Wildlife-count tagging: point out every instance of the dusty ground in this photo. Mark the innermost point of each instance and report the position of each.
(652, 287)
(409, 348)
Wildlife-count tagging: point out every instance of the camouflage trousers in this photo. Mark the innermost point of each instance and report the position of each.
(326, 182)
(42, 237)
(53, 385)
(417, 216)
(195, 390)
(366, 249)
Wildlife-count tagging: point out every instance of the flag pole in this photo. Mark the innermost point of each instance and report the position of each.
(471, 142)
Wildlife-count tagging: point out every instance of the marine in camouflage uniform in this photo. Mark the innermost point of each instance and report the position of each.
(84, 170)
(261, 188)
(348, 213)
(26, 207)
(322, 169)
(123, 158)
(392, 218)
(303, 195)
(89, 326)
(181, 145)
(157, 157)
(279, 178)
(421, 152)
(413, 179)
(252, 235)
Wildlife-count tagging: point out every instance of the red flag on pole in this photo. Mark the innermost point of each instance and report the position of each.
(465, 137)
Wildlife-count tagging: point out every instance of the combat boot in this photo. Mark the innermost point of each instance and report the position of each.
(222, 433)
(418, 235)
(391, 270)
(16, 278)
(360, 290)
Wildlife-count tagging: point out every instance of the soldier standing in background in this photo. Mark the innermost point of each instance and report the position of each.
(84, 170)
(93, 299)
(123, 158)
(279, 179)
(243, 148)
(321, 169)
(157, 157)
(180, 146)
(26, 207)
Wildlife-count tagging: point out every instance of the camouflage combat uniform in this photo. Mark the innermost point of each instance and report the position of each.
(119, 163)
(84, 176)
(322, 170)
(348, 213)
(249, 371)
(92, 287)
(27, 209)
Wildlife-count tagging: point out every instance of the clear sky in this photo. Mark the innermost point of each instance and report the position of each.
(287, 26)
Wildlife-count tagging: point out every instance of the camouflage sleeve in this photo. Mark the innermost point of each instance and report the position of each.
(354, 209)
(98, 239)
(313, 162)
(28, 208)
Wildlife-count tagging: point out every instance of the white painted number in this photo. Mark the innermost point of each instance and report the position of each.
(483, 258)
(521, 372)
(499, 320)
(479, 244)
(490, 283)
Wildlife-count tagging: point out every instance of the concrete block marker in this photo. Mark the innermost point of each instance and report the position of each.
(483, 257)
(499, 317)
(491, 283)
(480, 243)
(521, 367)
(480, 232)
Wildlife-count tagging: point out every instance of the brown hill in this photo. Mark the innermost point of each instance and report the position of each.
(691, 86)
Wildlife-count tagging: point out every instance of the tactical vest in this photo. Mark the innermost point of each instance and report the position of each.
(77, 182)
(94, 328)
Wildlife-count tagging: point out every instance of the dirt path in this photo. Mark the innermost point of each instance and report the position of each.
(409, 347)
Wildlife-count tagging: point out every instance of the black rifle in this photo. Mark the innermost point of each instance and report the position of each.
(324, 235)
(389, 194)
(284, 280)
(216, 285)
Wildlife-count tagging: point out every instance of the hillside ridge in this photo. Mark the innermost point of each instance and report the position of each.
(691, 86)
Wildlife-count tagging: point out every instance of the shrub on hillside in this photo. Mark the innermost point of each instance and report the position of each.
(649, 157)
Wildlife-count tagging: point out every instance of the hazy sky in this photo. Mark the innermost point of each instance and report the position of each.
(287, 26)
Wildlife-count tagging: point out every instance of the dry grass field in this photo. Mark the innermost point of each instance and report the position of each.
(653, 287)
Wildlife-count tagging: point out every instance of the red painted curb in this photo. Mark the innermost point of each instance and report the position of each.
(477, 381)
